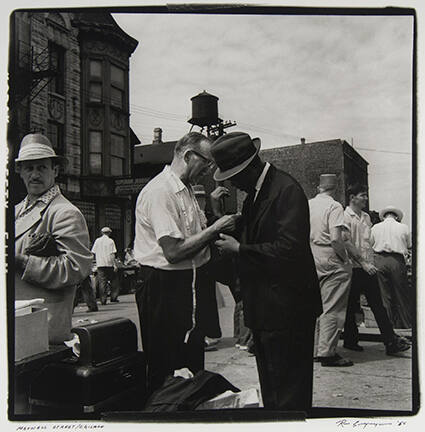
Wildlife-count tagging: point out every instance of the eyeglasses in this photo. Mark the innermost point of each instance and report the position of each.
(210, 163)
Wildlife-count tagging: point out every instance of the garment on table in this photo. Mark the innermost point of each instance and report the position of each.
(279, 285)
(53, 278)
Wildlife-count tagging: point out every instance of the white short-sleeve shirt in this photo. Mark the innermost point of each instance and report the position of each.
(167, 207)
(104, 250)
(325, 213)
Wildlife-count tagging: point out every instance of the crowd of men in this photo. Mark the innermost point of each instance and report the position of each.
(300, 265)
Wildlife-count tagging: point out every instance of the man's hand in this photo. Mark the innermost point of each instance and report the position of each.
(370, 269)
(227, 244)
(226, 223)
(21, 262)
(216, 199)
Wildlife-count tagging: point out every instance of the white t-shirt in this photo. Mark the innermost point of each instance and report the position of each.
(167, 207)
(104, 250)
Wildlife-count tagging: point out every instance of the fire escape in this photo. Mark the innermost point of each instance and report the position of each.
(34, 71)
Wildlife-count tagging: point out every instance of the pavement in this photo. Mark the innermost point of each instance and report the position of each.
(376, 381)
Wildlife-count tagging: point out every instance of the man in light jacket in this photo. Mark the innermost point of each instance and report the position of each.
(51, 238)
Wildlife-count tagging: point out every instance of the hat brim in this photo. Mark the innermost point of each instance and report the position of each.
(60, 159)
(220, 175)
(394, 210)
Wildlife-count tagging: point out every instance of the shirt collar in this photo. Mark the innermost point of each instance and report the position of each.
(45, 198)
(175, 182)
(352, 213)
(260, 180)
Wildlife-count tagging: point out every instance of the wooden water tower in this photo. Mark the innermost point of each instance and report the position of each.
(205, 114)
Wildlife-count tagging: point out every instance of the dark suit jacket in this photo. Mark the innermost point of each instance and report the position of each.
(278, 277)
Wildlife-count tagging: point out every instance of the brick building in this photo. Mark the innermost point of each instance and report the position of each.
(69, 79)
(306, 161)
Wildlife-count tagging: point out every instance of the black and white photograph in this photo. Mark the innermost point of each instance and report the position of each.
(211, 215)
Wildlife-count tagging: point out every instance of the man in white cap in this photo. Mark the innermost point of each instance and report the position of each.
(104, 250)
(333, 269)
(51, 238)
(390, 241)
(278, 279)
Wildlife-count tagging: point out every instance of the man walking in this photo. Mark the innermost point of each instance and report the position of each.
(333, 269)
(105, 250)
(364, 276)
(51, 238)
(171, 244)
(391, 241)
(280, 290)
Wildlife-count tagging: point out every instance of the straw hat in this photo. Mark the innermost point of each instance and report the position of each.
(37, 146)
(391, 209)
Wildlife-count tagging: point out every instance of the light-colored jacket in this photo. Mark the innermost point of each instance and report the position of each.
(54, 278)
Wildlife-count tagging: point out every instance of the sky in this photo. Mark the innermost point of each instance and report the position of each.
(282, 78)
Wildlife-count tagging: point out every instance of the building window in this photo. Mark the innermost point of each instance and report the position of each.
(57, 67)
(95, 92)
(117, 86)
(96, 69)
(95, 152)
(117, 97)
(55, 133)
(118, 153)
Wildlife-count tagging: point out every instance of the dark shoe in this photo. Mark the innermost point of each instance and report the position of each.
(396, 346)
(115, 301)
(92, 310)
(353, 347)
(336, 361)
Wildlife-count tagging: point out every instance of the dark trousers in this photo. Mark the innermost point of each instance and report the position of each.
(242, 333)
(395, 290)
(363, 282)
(89, 294)
(164, 303)
(104, 275)
(285, 366)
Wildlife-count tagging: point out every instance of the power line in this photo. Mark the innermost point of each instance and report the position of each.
(382, 151)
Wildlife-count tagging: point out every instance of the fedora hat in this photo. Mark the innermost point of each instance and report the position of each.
(328, 181)
(391, 209)
(232, 153)
(106, 230)
(37, 146)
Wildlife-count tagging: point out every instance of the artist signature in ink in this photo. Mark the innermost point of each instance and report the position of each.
(363, 424)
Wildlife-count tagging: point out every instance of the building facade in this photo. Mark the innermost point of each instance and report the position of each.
(306, 161)
(69, 79)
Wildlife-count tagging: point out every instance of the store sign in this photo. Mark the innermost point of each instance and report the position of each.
(129, 186)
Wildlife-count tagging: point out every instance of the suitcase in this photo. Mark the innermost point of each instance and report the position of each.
(109, 375)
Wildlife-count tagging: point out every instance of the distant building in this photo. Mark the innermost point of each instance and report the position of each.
(306, 161)
(69, 79)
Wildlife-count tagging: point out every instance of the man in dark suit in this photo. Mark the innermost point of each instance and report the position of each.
(280, 290)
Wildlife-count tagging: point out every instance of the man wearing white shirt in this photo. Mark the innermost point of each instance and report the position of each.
(391, 241)
(172, 247)
(105, 250)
